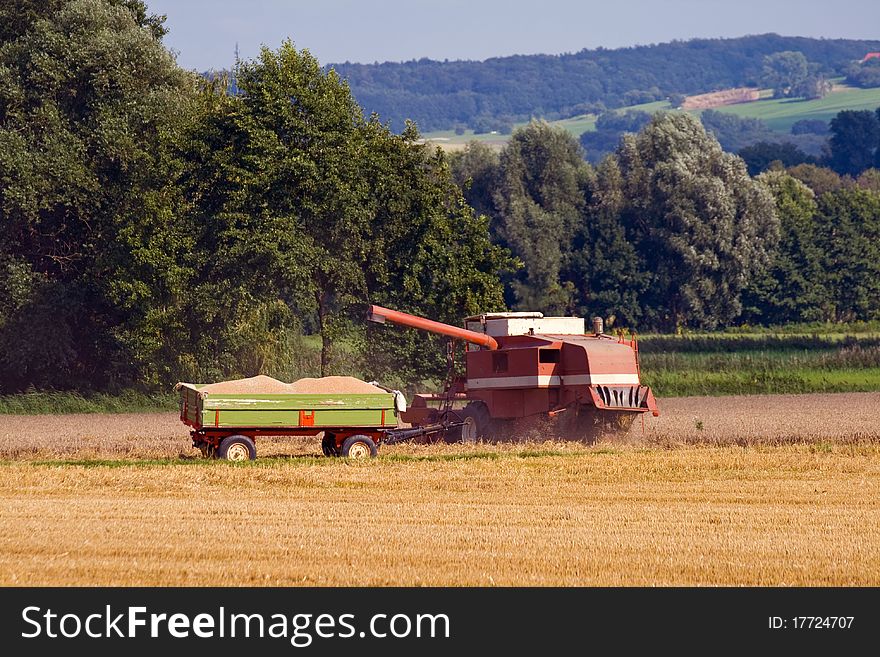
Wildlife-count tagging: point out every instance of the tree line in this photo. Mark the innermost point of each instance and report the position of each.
(158, 227)
(669, 231)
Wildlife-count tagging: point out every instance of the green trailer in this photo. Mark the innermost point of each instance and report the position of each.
(352, 425)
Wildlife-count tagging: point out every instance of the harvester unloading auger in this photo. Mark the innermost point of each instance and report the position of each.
(523, 368)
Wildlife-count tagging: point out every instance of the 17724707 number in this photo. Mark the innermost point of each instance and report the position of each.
(810, 622)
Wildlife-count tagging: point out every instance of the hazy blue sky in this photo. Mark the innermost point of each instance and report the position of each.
(204, 32)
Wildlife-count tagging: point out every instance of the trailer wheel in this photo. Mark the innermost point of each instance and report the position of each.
(237, 448)
(359, 447)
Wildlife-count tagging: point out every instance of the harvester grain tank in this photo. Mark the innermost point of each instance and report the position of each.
(524, 366)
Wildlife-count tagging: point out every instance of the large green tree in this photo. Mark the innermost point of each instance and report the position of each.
(785, 72)
(540, 200)
(701, 226)
(475, 169)
(793, 288)
(855, 135)
(88, 98)
(605, 265)
(430, 255)
(849, 238)
(304, 211)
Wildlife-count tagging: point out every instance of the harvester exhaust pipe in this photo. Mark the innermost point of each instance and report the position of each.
(598, 326)
(381, 315)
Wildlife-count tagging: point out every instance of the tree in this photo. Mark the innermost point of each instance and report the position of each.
(610, 126)
(855, 135)
(819, 179)
(735, 133)
(676, 100)
(540, 198)
(793, 287)
(476, 169)
(870, 179)
(785, 72)
(19, 17)
(849, 239)
(877, 152)
(605, 266)
(89, 101)
(865, 75)
(430, 255)
(760, 156)
(812, 87)
(304, 212)
(702, 228)
(810, 127)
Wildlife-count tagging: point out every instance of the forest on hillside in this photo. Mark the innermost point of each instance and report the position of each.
(498, 91)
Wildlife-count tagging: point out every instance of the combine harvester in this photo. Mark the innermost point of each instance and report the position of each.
(523, 367)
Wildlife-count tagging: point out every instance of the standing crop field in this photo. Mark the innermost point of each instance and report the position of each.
(763, 490)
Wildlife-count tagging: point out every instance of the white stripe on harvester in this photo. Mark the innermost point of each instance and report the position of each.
(544, 381)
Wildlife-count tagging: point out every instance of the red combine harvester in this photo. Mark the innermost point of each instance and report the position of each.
(522, 367)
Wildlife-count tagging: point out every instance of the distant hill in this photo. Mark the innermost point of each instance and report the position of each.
(504, 90)
(777, 116)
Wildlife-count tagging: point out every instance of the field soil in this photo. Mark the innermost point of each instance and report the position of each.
(721, 98)
(775, 491)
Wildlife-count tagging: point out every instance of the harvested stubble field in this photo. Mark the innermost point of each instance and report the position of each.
(736, 491)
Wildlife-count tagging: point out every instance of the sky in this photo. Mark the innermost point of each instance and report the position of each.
(204, 33)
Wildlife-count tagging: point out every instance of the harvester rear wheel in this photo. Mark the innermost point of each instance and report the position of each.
(237, 448)
(359, 447)
(477, 423)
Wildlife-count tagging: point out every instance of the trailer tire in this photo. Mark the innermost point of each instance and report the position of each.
(237, 448)
(359, 447)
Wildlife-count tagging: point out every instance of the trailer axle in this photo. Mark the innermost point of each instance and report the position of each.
(400, 435)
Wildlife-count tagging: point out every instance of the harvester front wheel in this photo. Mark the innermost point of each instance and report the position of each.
(237, 448)
(359, 447)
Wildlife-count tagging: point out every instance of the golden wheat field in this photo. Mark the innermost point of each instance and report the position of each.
(717, 491)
